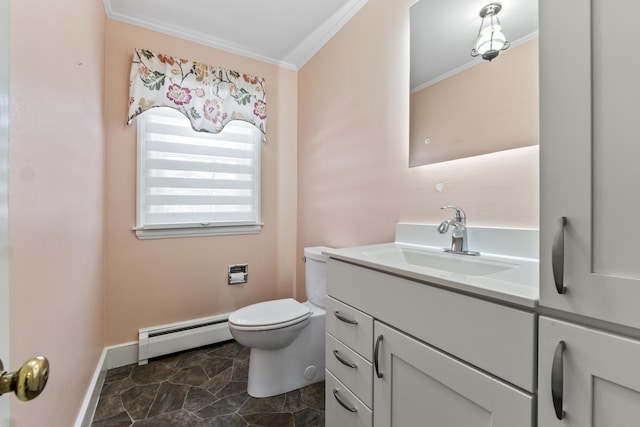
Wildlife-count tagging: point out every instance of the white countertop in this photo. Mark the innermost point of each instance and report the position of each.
(517, 284)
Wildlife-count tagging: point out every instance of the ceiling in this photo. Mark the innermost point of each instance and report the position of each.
(443, 33)
(289, 32)
(284, 32)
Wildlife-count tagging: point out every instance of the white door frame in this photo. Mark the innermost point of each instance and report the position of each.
(5, 19)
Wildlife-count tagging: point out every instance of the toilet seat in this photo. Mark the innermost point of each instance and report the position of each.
(269, 315)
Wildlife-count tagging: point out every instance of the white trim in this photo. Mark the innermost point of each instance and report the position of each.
(90, 402)
(293, 60)
(125, 354)
(121, 355)
(194, 36)
(308, 47)
(168, 233)
(470, 64)
(112, 357)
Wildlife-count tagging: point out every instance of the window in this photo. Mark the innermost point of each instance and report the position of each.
(196, 183)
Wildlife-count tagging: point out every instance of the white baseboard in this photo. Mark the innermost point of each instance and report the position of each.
(121, 355)
(112, 357)
(90, 402)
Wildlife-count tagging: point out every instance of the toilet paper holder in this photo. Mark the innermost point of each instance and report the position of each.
(237, 274)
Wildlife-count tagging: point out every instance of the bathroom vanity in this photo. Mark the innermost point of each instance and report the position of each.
(410, 344)
(589, 332)
(447, 342)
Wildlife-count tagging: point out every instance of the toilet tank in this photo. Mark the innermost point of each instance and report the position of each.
(315, 273)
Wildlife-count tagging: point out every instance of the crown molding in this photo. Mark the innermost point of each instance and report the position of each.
(308, 47)
(293, 60)
(470, 64)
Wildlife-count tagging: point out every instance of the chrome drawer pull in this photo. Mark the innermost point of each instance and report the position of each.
(375, 357)
(342, 360)
(342, 403)
(557, 255)
(344, 319)
(557, 380)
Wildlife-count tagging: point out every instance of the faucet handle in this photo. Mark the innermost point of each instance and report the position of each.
(459, 213)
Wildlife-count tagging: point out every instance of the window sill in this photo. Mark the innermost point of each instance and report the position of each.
(170, 233)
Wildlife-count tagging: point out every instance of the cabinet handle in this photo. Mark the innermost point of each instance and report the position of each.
(375, 357)
(342, 360)
(557, 255)
(342, 403)
(344, 319)
(557, 379)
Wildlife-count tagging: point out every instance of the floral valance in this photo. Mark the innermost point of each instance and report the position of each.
(208, 96)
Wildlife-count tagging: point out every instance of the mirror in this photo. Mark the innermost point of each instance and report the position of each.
(463, 106)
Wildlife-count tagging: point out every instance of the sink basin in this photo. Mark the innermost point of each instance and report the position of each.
(507, 268)
(454, 263)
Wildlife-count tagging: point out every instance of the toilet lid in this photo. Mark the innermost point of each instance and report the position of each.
(270, 314)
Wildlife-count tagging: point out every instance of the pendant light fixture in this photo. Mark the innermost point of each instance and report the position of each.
(490, 40)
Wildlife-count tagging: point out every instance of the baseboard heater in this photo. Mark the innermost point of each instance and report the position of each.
(166, 339)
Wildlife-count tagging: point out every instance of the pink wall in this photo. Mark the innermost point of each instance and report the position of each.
(353, 141)
(161, 281)
(492, 106)
(55, 200)
(340, 126)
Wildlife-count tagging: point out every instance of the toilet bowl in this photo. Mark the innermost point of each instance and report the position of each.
(286, 337)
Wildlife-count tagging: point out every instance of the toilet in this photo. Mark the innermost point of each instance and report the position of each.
(286, 337)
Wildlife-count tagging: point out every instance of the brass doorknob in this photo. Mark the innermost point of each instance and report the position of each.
(28, 381)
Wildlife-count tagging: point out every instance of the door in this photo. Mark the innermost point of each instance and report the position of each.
(31, 378)
(589, 151)
(416, 385)
(593, 375)
(4, 198)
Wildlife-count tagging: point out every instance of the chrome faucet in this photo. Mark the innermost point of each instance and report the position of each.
(458, 232)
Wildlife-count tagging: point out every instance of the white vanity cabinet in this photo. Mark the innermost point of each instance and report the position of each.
(349, 387)
(415, 384)
(434, 357)
(589, 156)
(588, 377)
(589, 264)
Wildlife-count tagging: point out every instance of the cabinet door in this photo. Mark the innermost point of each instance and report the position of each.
(589, 153)
(597, 375)
(343, 408)
(353, 370)
(417, 385)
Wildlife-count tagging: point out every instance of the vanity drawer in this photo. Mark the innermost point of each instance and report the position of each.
(350, 368)
(354, 413)
(351, 326)
(498, 339)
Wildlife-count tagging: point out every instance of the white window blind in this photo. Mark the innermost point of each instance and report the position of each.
(196, 183)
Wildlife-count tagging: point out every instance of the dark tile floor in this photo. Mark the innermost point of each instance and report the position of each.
(206, 387)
